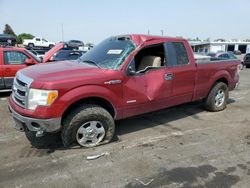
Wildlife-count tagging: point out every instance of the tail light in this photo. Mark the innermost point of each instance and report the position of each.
(239, 68)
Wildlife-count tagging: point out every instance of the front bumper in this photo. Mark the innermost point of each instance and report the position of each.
(38, 125)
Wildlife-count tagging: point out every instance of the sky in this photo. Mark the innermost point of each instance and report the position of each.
(95, 20)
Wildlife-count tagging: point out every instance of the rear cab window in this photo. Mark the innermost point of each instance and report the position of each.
(176, 54)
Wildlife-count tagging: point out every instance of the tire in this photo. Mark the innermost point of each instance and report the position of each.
(217, 97)
(31, 45)
(51, 46)
(247, 66)
(96, 123)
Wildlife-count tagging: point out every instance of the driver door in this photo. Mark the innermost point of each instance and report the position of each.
(149, 89)
(13, 61)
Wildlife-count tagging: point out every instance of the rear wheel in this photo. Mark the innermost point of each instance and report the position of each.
(217, 97)
(88, 126)
(31, 45)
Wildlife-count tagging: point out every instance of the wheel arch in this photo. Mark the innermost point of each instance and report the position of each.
(104, 103)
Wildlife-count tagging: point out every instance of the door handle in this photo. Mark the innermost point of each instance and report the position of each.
(169, 76)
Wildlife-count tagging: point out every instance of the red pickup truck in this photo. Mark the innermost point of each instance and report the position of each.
(13, 59)
(123, 76)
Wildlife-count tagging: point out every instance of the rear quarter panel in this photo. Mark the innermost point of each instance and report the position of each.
(208, 74)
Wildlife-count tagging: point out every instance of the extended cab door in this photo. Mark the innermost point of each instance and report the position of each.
(13, 61)
(146, 86)
(182, 70)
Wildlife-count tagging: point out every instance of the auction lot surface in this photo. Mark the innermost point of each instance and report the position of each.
(184, 146)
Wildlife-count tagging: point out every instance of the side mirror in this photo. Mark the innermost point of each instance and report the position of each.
(29, 62)
(131, 71)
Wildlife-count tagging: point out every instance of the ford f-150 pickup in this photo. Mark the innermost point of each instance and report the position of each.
(121, 77)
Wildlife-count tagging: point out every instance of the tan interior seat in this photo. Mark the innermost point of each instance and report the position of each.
(149, 61)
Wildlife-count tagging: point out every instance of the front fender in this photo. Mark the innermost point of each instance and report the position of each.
(112, 95)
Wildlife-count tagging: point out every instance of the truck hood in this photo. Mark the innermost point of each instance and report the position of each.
(52, 51)
(71, 73)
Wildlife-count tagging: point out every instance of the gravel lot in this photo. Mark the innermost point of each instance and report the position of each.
(184, 146)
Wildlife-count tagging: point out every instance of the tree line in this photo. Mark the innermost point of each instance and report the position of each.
(9, 31)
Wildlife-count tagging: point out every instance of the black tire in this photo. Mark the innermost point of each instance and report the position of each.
(31, 45)
(80, 116)
(247, 66)
(51, 46)
(210, 100)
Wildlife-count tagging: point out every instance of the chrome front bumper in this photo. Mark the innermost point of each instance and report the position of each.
(38, 125)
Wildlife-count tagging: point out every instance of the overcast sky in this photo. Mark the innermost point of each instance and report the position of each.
(94, 20)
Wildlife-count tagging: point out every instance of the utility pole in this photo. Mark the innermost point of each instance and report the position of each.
(62, 33)
(162, 32)
(148, 32)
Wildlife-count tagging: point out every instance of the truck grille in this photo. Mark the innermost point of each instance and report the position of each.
(20, 89)
(19, 92)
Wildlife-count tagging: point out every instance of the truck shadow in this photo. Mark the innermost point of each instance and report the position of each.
(163, 117)
(5, 94)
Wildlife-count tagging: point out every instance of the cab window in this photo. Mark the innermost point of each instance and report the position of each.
(176, 54)
(14, 58)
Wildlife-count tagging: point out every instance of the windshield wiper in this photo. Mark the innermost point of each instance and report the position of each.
(91, 62)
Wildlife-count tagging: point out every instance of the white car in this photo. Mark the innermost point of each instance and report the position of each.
(38, 42)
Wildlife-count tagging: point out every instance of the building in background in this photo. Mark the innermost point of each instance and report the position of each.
(224, 46)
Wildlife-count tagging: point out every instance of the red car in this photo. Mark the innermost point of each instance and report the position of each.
(13, 59)
(122, 77)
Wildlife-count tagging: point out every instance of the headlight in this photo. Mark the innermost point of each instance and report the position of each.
(38, 97)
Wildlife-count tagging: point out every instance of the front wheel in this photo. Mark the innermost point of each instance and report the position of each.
(88, 126)
(217, 97)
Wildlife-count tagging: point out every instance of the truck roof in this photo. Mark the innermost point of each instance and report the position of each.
(141, 38)
(11, 48)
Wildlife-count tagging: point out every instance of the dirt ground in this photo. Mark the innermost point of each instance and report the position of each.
(184, 146)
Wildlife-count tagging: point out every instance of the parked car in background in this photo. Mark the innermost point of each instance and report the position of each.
(123, 76)
(38, 42)
(13, 59)
(222, 55)
(75, 43)
(7, 40)
(67, 55)
(237, 52)
(62, 51)
(246, 60)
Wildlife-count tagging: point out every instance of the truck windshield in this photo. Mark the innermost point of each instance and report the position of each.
(34, 56)
(110, 53)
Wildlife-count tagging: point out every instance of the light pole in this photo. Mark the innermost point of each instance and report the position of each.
(162, 32)
(62, 33)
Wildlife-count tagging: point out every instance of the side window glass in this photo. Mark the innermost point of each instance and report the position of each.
(176, 54)
(37, 39)
(181, 54)
(171, 54)
(14, 58)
